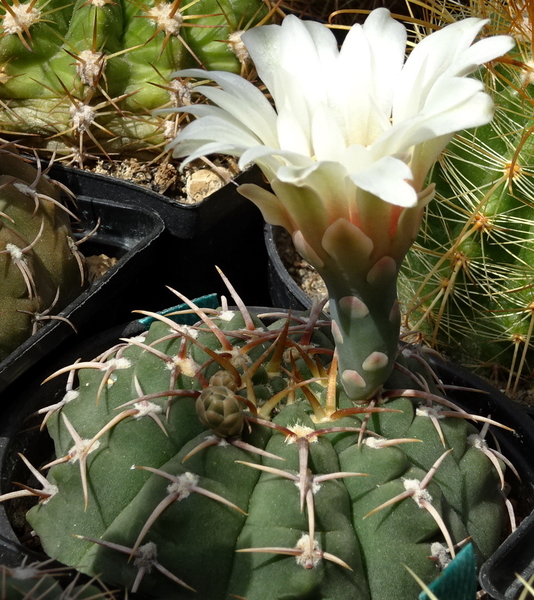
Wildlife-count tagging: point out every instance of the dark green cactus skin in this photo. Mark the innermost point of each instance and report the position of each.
(467, 282)
(47, 275)
(86, 75)
(197, 536)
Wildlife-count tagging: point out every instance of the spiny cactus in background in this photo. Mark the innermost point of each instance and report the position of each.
(222, 459)
(468, 281)
(35, 581)
(84, 77)
(41, 270)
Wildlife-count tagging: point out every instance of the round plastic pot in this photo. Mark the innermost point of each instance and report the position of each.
(283, 289)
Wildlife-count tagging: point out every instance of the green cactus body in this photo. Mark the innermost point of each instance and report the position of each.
(467, 283)
(85, 76)
(275, 497)
(40, 268)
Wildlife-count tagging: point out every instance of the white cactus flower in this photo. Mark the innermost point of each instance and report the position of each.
(346, 145)
(349, 127)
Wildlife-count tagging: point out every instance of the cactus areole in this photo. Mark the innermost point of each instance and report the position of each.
(223, 460)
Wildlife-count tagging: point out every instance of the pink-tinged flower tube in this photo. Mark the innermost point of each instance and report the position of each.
(346, 145)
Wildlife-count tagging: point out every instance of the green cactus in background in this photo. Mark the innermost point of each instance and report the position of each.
(468, 282)
(41, 270)
(223, 458)
(84, 77)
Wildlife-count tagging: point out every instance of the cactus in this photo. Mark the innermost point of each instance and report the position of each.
(36, 581)
(224, 458)
(41, 269)
(467, 283)
(84, 77)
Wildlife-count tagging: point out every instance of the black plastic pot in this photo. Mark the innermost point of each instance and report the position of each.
(497, 576)
(184, 221)
(128, 233)
(284, 290)
(225, 229)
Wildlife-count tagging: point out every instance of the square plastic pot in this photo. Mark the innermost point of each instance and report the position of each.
(128, 233)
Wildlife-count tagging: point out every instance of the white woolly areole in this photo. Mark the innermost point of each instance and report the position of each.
(477, 442)
(117, 363)
(170, 130)
(180, 92)
(25, 571)
(50, 490)
(89, 66)
(372, 442)
(145, 408)
(187, 366)
(226, 315)
(418, 494)
(85, 446)
(160, 15)
(145, 556)
(192, 332)
(184, 485)
(238, 47)
(15, 252)
(440, 554)
(315, 487)
(299, 431)
(82, 116)
(23, 18)
(293, 353)
(308, 559)
(137, 338)
(69, 396)
(23, 188)
(428, 411)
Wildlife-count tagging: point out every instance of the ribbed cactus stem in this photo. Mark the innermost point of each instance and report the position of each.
(365, 326)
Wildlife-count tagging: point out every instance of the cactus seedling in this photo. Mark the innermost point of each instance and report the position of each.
(41, 270)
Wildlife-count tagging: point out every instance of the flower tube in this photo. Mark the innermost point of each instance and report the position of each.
(346, 145)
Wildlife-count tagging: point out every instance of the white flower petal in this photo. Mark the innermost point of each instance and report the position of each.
(354, 74)
(216, 129)
(480, 53)
(250, 114)
(272, 159)
(193, 150)
(428, 61)
(388, 179)
(330, 181)
(453, 105)
(327, 138)
(387, 41)
(291, 134)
